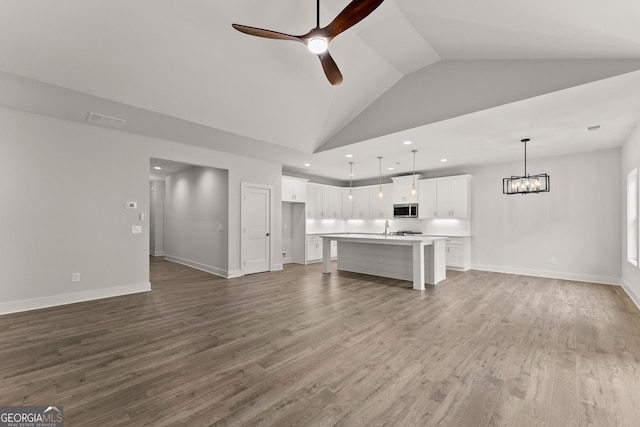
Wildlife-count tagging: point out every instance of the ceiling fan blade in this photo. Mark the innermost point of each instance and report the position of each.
(259, 32)
(330, 68)
(355, 12)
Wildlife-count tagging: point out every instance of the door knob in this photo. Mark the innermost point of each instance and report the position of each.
(267, 234)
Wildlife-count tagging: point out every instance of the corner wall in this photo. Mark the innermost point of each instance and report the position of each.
(64, 186)
(196, 219)
(576, 224)
(156, 217)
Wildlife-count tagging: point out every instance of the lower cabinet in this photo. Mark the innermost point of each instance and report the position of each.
(458, 253)
(314, 248)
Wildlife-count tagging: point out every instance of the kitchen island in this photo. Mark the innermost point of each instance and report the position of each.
(416, 258)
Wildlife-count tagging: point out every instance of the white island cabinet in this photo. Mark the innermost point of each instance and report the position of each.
(419, 259)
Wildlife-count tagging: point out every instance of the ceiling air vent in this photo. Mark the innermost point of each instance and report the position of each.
(100, 119)
(594, 128)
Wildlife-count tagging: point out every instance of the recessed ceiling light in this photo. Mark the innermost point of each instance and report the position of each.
(408, 142)
(443, 160)
(307, 164)
(391, 168)
(349, 155)
(594, 128)
(157, 168)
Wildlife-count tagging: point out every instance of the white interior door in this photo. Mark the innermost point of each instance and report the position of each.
(256, 241)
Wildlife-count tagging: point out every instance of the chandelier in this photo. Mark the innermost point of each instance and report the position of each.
(526, 183)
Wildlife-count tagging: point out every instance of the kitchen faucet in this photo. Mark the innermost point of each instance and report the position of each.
(386, 227)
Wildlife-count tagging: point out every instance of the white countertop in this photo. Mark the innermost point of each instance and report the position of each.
(380, 238)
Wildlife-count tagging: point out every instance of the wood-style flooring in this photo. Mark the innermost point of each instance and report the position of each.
(298, 347)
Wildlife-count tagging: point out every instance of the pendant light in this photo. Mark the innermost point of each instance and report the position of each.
(350, 180)
(380, 193)
(413, 188)
(526, 184)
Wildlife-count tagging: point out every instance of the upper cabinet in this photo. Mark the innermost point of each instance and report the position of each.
(328, 202)
(358, 205)
(381, 207)
(294, 189)
(402, 189)
(427, 195)
(447, 197)
(310, 206)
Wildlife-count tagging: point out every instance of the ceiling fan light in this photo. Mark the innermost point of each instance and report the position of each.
(318, 45)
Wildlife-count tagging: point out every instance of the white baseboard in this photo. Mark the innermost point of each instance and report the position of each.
(277, 267)
(287, 260)
(209, 269)
(72, 298)
(235, 273)
(157, 253)
(634, 297)
(606, 280)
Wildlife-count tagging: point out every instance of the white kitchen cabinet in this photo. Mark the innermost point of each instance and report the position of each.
(322, 202)
(310, 207)
(453, 195)
(294, 189)
(347, 204)
(458, 253)
(335, 202)
(402, 186)
(381, 208)
(328, 202)
(427, 205)
(314, 248)
(358, 205)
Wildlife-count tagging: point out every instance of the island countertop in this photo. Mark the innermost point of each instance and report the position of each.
(381, 238)
(415, 257)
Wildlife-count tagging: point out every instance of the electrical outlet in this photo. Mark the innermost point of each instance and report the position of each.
(554, 260)
(75, 277)
(136, 229)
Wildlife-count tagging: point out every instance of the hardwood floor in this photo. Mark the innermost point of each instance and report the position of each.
(298, 347)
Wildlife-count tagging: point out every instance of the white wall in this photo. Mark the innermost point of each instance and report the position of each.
(287, 231)
(630, 160)
(156, 217)
(68, 183)
(577, 222)
(197, 218)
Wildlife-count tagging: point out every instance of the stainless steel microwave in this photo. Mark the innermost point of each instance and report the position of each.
(408, 210)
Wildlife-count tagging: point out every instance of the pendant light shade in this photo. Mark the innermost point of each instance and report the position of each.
(350, 180)
(526, 183)
(413, 187)
(380, 193)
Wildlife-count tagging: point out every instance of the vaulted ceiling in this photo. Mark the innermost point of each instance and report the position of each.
(446, 74)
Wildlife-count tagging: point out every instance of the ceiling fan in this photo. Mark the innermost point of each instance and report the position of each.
(317, 39)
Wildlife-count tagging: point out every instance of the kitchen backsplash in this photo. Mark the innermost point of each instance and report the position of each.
(445, 227)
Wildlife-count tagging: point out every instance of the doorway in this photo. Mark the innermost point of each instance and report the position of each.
(191, 220)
